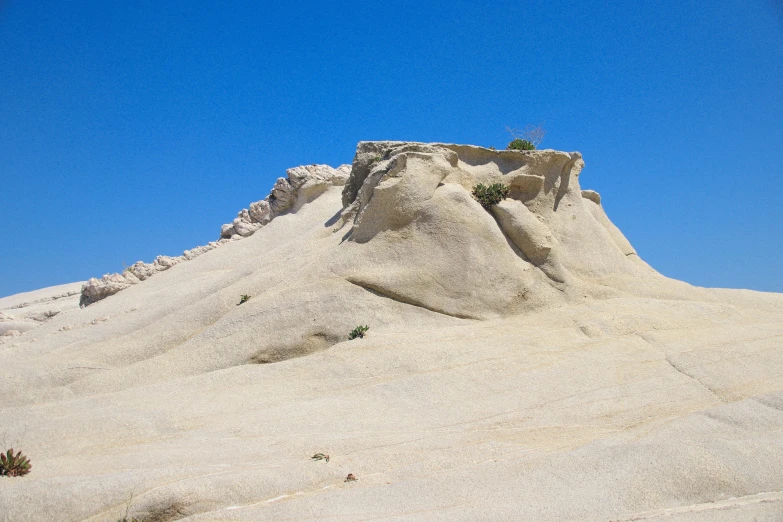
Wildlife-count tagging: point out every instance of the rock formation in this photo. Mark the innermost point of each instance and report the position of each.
(393, 186)
(521, 363)
(548, 242)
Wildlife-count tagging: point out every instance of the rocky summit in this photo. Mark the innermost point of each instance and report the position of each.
(371, 342)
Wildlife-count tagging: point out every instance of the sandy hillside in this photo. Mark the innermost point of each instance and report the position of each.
(522, 363)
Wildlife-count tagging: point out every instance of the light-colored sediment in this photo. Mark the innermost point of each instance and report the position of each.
(22, 312)
(521, 364)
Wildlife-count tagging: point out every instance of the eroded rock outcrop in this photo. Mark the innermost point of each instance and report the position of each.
(301, 185)
(426, 241)
(424, 235)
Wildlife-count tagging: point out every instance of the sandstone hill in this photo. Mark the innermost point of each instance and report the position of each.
(522, 363)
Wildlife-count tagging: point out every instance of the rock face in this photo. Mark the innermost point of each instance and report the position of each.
(548, 242)
(521, 363)
(302, 185)
(553, 228)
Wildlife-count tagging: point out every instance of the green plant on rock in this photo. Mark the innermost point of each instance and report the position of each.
(14, 465)
(359, 332)
(519, 144)
(244, 298)
(526, 139)
(491, 195)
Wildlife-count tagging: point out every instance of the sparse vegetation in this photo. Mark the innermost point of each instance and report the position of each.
(320, 456)
(14, 465)
(131, 519)
(359, 332)
(519, 144)
(491, 195)
(167, 512)
(528, 138)
(244, 298)
(350, 478)
(125, 517)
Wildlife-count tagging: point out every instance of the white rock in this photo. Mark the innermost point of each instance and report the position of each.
(532, 236)
(246, 229)
(165, 262)
(142, 270)
(260, 212)
(227, 230)
(43, 316)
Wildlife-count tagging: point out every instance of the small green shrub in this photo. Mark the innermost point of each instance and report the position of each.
(320, 456)
(490, 195)
(519, 144)
(359, 332)
(528, 138)
(244, 298)
(14, 465)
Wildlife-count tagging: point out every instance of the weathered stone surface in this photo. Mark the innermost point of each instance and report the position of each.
(557, 241)
(592, 195)
(29, 310)
(96, 289)
(166, 262)
(43, 316)
(527, 231)
(260, 212)
(227, 230)
(485, 389)
(142, 270)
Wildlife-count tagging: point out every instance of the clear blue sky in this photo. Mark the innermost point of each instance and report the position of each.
(133, 129)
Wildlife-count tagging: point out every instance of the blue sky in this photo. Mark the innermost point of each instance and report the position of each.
(135, 129)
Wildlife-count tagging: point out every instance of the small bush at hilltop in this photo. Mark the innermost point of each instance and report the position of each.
(526, 139)
(519, 144)
(491, 195)
(359, 332)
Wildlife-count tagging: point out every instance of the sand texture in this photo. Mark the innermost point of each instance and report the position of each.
(521, 363)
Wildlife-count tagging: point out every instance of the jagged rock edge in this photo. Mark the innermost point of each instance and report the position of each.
(301, 185)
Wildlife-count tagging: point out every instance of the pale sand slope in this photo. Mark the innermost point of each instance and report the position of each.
(487, 389)
(22, 312)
